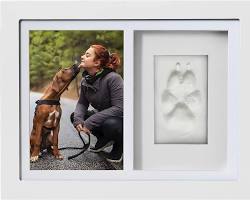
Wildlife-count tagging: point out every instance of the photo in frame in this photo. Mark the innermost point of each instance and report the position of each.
(59, 95)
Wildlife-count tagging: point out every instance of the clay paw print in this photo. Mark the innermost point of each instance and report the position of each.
(181, 100)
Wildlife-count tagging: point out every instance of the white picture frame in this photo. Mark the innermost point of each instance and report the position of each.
(22, 187)
(130, 171)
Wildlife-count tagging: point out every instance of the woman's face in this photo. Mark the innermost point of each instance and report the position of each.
(88, 60)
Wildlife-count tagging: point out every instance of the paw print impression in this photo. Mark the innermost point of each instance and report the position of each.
(181, 100)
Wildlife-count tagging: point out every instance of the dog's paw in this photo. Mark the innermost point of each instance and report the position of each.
(59, 157)
(56, 153)
(33, 158)
(181, 101)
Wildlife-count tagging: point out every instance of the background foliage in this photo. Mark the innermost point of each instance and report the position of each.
(51, 50)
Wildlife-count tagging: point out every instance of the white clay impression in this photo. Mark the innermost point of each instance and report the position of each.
(181, 99)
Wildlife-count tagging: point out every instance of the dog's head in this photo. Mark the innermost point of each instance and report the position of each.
(63, 78)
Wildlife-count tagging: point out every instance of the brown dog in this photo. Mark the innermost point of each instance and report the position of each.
(46, 122)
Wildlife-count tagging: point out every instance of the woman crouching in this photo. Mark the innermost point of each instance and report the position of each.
(102, 88)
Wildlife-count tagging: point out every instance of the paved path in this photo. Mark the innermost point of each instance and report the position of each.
(69, 137)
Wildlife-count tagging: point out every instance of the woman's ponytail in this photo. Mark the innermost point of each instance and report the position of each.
(110, 60)
(114, 62)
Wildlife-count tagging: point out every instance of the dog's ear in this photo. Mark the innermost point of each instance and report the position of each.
(55, 85)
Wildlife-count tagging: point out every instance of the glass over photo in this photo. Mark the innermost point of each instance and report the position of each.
(76, 100)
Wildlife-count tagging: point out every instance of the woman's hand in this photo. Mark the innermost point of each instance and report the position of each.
(85, 130)
(80, 128)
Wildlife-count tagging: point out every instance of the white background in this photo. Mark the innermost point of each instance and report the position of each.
(10, 183)
(190, 157)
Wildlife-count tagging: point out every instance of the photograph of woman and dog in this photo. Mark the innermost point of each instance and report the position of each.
(76, 100)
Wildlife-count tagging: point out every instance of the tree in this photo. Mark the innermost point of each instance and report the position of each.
(51, 50)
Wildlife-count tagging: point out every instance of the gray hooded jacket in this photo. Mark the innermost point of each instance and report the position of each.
(105, 95)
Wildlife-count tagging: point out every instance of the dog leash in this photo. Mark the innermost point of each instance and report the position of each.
(83, 149)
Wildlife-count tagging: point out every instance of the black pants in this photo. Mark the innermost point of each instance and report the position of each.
(111, 129)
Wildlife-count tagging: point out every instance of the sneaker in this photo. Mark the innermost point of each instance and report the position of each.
(113, 156)
(100, 145)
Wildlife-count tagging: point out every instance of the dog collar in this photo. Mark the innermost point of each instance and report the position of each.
(48, 102)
